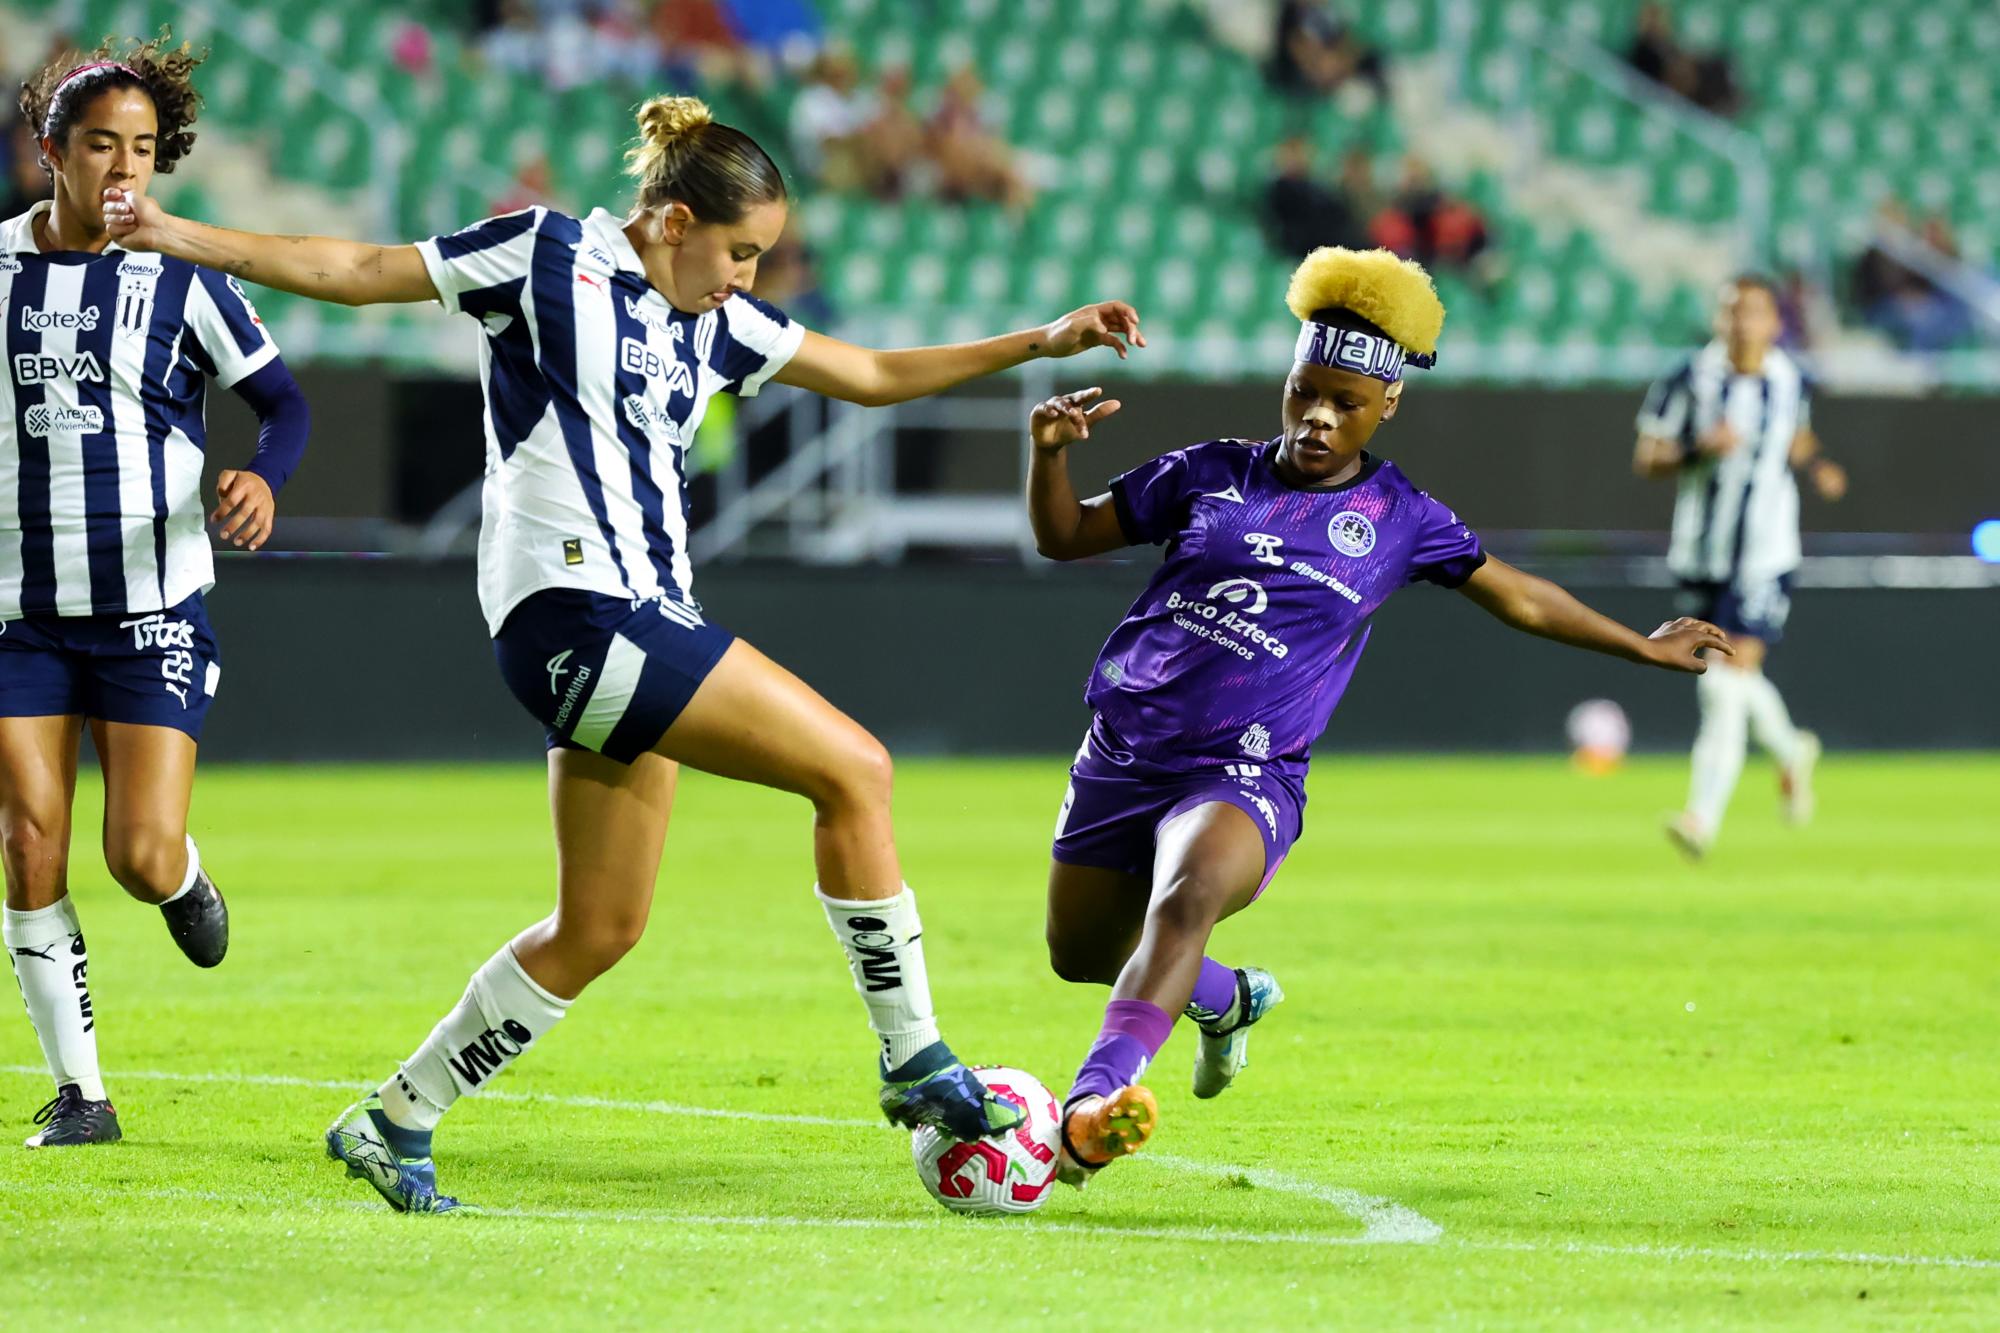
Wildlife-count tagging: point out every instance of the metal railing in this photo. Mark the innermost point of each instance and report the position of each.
(1736, 147)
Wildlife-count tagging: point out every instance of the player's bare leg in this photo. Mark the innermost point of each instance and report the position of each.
(1716, 761)
(43, 936)
(757, 722)
(1208, 865)
(148, 784)
(1795, 750)
(610, 824)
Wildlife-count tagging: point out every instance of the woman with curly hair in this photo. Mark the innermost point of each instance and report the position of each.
(603, 340)
(103, 555)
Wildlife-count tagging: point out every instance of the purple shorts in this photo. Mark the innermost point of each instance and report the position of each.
(1116, 803)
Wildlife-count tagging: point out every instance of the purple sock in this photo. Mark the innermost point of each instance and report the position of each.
(1214, 990)
(1132, 1035)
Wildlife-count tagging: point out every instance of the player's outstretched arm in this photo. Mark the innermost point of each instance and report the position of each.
(326, 269)
(1067, 528)
(875, 379)
(1544, 608)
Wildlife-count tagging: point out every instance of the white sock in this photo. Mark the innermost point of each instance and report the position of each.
(883, 940)
(187, 880)
(1770, 722)
(46, 946)
(1718, 746)
(500, 1015)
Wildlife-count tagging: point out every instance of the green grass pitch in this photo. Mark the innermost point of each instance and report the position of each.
(1532, 1072)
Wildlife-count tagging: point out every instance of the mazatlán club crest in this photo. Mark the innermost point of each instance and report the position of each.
(1351, 533)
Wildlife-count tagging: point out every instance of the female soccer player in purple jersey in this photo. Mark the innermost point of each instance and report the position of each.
(103, 558)
(605, 338)
(1189, 788)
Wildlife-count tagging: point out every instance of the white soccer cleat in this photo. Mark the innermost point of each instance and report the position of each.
(1685, 832)
(1224, 1053)
(1795, 780)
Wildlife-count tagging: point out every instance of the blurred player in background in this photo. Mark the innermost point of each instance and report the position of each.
(103, 560)
(1189, 788)
(1731, 424)
(605, 338)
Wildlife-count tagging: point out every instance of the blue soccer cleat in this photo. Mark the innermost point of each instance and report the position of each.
(935, 1088)
(396, 1161)
(1225, 1038)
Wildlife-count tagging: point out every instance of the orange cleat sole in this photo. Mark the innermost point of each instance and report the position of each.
(1111, 1127)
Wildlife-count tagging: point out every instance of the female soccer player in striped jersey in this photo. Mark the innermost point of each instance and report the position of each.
(1731, 425)
(103, 560)
(604, 339)
(1189, 789)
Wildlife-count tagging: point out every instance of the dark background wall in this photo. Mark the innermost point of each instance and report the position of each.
(1505, 458)
(379, 659)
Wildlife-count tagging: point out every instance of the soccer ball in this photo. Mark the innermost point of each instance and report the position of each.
(1009, 1173)
(1599, 735)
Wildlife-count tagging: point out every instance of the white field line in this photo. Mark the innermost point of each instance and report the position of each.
(1384, 1221)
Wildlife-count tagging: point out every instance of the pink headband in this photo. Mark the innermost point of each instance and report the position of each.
(76, 73)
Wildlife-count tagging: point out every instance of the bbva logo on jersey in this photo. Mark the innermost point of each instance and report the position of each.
(637, 358)
(43, 367)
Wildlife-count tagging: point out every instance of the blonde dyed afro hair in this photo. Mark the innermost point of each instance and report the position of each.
(1395, 295)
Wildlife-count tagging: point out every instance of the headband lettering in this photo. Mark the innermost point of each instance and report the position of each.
(1352, 349)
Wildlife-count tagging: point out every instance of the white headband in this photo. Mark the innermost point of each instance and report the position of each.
(1351, 349)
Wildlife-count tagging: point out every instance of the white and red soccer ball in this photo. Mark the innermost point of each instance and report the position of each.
(1009, 1173)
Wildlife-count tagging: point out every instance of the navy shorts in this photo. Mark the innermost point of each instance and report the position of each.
(150, 668)
(1754, 608)
(1116, 803)
(605, 673)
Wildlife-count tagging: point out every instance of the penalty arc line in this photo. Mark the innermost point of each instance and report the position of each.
(1384, 1221)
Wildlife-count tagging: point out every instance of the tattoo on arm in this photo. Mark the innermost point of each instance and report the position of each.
(1034, 347)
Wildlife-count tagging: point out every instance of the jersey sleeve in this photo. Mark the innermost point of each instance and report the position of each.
(1669, 406)
(493, 253)
(228, 340)
(1447, 552)
(1154, 498)
(753, 341)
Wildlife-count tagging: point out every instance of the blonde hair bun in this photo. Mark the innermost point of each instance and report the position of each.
(1395, 295)
(664, 125)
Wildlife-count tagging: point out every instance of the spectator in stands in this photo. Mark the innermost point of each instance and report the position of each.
(788, 277)
(1301, 213)
(893, 150)
(23, 183)
(1897, 299)
(1364, 199)
(1653, 52)
(534, 184)
(1317, 54)
(789, 31)
(828, 120)
(697, 34)
(1425, 223)
(514, 42)
(973, 161)
(1706, 78)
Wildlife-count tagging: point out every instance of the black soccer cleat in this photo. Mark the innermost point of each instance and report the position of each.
(199, 922)
(69, 1121)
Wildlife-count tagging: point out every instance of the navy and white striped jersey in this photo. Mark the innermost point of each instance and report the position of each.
(1737, 517)
(594, 388)
(101, 426)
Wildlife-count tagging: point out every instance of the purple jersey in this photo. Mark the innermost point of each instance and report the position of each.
(1245, 639)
